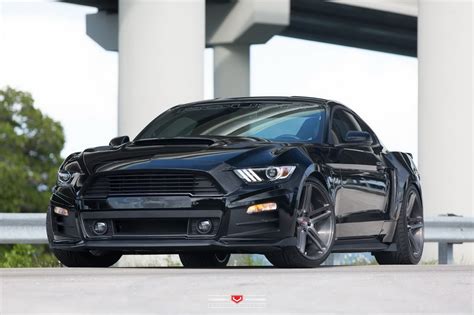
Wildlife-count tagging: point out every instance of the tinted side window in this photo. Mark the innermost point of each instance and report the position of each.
(342, 122)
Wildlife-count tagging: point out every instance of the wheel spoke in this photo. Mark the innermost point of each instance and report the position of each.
(416, 226)
(301, 239)
(307, 197)
(415, 223)
(411, 203)
(324, 208)
(314, 222)
(313, 235)
(413, 242)
(321, 217)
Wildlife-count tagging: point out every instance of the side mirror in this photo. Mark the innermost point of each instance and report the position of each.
(117, 141)
(358, 137)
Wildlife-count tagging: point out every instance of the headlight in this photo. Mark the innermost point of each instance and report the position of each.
(271, 173)
(64, 177)
(69, 173)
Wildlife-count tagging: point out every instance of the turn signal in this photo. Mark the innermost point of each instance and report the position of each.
(61, 211)
(270, 206)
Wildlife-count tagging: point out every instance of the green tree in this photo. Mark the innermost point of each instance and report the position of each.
(30, 147)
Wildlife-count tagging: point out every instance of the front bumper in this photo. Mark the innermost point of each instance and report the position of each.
(177, 246)
(171, 228)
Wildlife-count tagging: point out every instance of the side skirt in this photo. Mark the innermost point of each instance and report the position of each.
(366, 229)
(369, 244)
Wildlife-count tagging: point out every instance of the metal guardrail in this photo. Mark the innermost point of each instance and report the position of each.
(446, 230)
(23, 228)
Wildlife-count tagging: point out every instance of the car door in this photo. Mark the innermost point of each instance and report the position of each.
(361, 200)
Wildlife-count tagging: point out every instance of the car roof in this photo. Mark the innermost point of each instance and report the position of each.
(289, 99)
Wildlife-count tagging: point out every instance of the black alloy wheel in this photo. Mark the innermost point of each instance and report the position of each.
(315, 230)
(409, 234)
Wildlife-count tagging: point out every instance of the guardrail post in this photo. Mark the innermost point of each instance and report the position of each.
(445, 253)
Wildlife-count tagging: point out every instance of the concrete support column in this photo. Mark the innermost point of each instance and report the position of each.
(445, 112)
(231, 70)
(161, 58)
(231, 27)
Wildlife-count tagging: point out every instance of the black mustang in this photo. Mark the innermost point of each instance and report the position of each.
(293, 178)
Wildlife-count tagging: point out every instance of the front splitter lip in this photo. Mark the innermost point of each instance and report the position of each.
(176, 246)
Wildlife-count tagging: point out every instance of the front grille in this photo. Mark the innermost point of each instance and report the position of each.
(156, 183)
(149, 226)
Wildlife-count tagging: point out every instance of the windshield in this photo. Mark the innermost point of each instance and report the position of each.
(275, 122)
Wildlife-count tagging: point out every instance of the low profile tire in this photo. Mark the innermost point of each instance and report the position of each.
(204, 260)
(86, 259)
(78, 258)
(409, 233)
(315, 230)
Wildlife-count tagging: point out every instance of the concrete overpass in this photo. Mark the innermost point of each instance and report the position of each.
(161, 45)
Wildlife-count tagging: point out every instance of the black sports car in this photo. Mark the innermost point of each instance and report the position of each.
(293, 178)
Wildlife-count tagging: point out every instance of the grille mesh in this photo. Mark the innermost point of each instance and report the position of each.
(158, 183)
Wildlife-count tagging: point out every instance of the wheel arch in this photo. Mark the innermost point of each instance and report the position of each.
(405, 174)
(321, 174)
(319, 177)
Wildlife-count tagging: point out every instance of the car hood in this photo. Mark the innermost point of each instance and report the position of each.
(197, 153)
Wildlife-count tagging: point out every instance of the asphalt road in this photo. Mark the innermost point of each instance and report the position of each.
(354, 289)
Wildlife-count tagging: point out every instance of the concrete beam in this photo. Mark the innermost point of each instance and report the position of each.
(246, 21)
(102, 27)
(231, 27)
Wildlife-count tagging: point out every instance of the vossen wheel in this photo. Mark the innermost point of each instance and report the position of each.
(315, 230)
(204, 259)
(80, 258)
(409, 234)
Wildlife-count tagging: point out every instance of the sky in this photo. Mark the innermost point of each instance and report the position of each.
(44, 50)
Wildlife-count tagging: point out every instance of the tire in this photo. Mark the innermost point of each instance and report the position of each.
(86, 259)
(315, 224)
(408, 234)
(79, 258)
(204, 260)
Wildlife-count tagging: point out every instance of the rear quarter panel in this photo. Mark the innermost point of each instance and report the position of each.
(404, 173)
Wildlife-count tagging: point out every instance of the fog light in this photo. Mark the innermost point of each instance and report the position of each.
(270, 206)
(204, 226)
(61, 211)
(100, 228)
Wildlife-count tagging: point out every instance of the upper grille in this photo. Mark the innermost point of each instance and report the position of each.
(156, 183)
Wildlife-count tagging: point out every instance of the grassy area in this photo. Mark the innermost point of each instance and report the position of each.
(248, 260)
(429, 262)
(26, 256)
